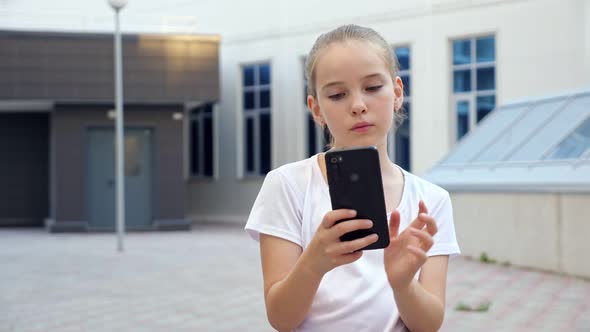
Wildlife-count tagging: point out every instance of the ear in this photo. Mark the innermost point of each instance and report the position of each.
(398, 92)
(314, 108)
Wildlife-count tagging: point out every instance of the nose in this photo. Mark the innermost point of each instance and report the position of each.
(358, 105)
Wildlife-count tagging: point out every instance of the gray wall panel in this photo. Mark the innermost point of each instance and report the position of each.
(70, 123)
(157, 68)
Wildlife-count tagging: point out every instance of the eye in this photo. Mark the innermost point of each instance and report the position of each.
(336, 96)
(374, 87)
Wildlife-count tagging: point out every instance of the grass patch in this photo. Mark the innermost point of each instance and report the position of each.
(484, 258)
(480, 307)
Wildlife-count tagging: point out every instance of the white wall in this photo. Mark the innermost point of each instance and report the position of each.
(540, 51)
(542, 231)
(533, 38)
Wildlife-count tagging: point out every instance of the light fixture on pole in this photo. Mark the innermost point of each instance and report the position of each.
(119, 134)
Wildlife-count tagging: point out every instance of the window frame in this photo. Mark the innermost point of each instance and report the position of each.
(392, 141)
(188, 116)
(472, 95)
(320, 143)
(254, 114)
(187, 138)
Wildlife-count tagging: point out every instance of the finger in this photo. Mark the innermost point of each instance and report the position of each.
(346, 247)
(419, 253)
(418, 223)
(394, 221)
(347, 258)
(424, 238)
(429, 222)
(422, 207)
(349, 226)
(336, 215)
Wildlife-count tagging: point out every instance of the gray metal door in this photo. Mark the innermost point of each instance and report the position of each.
(101, 178)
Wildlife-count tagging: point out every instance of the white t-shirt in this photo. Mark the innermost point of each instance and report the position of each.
(354, 297)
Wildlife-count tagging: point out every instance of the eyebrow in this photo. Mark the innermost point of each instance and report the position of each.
(339, 82)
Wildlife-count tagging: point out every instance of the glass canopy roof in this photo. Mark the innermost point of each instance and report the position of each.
(533, 145)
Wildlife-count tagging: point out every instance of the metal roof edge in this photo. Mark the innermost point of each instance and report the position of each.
(583, 188)
(545, 98)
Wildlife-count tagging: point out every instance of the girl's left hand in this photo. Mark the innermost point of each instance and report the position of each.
(406, 252)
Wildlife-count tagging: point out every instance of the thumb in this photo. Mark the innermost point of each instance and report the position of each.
(394, 224)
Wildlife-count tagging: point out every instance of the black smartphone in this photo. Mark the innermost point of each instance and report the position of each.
(354, 178)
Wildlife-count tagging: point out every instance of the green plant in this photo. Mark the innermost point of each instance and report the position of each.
(480, 307)
(484, 258)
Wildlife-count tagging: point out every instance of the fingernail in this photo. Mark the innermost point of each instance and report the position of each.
(369, 223)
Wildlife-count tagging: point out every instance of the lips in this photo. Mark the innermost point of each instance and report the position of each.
(361, 126)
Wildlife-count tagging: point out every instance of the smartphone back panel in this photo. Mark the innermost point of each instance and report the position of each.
(354, 178)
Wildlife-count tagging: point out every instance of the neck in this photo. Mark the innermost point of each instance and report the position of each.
(387, 166)
(388, 169)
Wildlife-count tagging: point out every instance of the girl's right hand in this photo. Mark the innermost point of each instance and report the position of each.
(326, 250)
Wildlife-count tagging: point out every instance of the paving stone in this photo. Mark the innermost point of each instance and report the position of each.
(210, 279)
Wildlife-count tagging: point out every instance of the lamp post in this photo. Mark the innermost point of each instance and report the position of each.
(117, 5)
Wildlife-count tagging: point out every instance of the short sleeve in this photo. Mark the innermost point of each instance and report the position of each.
(276, 210)
(445, 240)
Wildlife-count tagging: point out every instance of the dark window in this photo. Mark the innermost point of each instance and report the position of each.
(257, 96)
(402, 141)
(462, 81)
(265, 143)
(462, 118)
(250, 145)
(402, 133)
(265, 99)
(406, 81)
(486, 79)
(195, 152)
(264, 70)
(485, 105)
(474, 81)
(249, 101)
(311, 136)
(461, 52)
(201, 141)
(486, 49)
(248, 76)
(403, 57)
(208, 142)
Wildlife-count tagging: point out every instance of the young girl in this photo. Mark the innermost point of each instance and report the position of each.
(312, 280)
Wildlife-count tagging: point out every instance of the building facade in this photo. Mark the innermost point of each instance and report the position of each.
(460, 59)
(57, 127)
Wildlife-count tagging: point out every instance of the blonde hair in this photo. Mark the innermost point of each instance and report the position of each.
(345, 33)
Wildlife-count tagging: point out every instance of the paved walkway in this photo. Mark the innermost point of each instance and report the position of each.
(209, 279)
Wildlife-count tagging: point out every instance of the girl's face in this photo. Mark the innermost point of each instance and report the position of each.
(356, 95)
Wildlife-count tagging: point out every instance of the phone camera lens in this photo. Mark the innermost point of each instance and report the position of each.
(334, 160)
